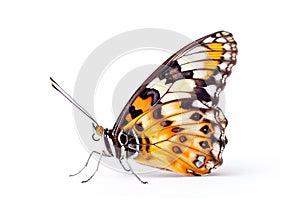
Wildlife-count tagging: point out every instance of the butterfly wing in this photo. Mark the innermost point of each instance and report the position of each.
(174, 113)
(185, 139)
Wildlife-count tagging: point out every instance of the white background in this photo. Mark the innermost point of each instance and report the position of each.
(39, 145)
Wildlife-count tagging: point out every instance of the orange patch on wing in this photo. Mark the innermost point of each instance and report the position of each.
(128, 117)
(215, 46)
(148, 121)
(211, 64)
(143, 104)
(214, 54)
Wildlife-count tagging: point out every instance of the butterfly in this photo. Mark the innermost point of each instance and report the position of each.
(172, 121)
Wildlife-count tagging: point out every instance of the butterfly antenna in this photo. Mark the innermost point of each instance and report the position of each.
(56, 86)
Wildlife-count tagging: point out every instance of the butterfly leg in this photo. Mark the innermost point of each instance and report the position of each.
(94, 171)
(87, 162)
(130, 168)
(127, 170)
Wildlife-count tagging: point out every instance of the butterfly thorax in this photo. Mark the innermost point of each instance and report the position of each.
(121, 144)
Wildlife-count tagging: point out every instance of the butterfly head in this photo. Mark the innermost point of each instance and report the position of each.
(99, 130)
(103, 136)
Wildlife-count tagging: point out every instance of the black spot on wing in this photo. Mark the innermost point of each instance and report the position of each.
(171, 68)
(147, 144)
(205, 129)
(176, 149)
(182, 138)
(177, 129)
(178, 76)
(200, 83)
(157, 113)
(202, 94)
(166, 123)
(204, 144)
(174, 64)
(211, 80)
(196, 116)
(186, 103)
(134, 113)
(150, 92)
(139, 127)
(173, 73)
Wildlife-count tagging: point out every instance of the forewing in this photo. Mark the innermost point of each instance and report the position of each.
(199, 70)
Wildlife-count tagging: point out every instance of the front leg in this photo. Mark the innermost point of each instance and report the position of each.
(86, 164)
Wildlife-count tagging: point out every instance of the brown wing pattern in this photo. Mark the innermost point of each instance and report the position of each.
(175, 110)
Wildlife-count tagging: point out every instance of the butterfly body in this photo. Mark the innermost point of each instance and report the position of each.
(173, 121)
